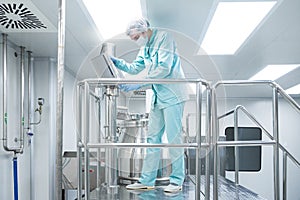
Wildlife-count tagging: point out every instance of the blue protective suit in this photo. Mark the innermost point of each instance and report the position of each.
(159, 57)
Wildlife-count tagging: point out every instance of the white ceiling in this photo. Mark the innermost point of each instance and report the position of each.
(276, 40)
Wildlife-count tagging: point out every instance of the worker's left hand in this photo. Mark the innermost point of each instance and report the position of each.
(129, 87)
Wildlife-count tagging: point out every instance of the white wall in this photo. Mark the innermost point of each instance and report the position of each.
(44, 76)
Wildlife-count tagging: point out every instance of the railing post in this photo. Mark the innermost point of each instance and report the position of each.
(276, 146)
(60, 97)
(86, 130)
(215, 135)
(79, 141)
(198, 136)
(208, 136)
(284, 176)
(236, 148)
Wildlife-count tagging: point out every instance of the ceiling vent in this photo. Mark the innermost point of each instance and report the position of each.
(22, 16)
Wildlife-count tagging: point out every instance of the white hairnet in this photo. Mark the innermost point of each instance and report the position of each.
(139, 25)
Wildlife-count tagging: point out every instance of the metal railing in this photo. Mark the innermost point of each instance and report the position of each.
(84, 145)
(83, 127)
(274, 140)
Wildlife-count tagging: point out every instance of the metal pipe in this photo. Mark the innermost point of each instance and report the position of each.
(98, 101)
(86, 131)
(215, 136)
(242, 108)
(284, 176)
(236, 148)
(114, 81)
(29, 54)
(111, 165)
(287, 97)
(79, 141)
(22, 99)
(198, 136)
(242, 82)
(4, 101)
(245, 143)
(31, 171)
(144, 145)
(293, 159)
(209, 135)
(4, 85)
(276, 146)
(59, 97)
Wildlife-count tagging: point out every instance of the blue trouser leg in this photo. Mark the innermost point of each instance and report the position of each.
(156, 129)
(161, 120)
(173, 129)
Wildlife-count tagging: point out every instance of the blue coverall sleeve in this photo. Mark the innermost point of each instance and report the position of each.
(132, 68)
(164, 63)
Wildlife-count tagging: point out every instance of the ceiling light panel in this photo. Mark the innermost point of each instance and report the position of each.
(294, 90)
(111, 17)
(232, 24)
(273, 72)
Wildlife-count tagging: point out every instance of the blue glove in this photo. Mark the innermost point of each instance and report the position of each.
(114, 60)
(129, 87)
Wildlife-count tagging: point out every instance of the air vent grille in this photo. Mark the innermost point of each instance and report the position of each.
(20, 16)
(17, 16)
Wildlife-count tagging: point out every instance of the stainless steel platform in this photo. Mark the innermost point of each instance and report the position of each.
(227, 191)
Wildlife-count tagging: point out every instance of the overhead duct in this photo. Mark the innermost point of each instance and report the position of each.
(23, 16)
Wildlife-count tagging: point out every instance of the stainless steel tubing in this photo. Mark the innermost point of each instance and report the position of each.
(59, 97)
(284, 176)
(144, 145)
(115, 81)
(243, 82)
(86, 132)
(4, 102)
(22, 98)
(236, 148)
(111, 165)
(4, 87)
(245, 143)
(208, 136)
(288, 98)
(215, 136)
(198, 137)
(29, 57)
(276, 146)
(293, 159)
(99, 140)
(79, 141)
(242, 108)
(29, 54)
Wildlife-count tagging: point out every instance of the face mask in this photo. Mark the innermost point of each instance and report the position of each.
(142, 41)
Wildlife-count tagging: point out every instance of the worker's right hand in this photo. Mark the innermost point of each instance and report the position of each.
(113, 59)
(129, 87)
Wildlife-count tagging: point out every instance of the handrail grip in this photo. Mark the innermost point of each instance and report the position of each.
(143, 145)
(136, 81)
(246, 143)
(262, 82)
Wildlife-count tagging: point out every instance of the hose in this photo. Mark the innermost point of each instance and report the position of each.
(15, 166)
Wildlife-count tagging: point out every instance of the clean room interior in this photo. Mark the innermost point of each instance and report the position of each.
(56, 84)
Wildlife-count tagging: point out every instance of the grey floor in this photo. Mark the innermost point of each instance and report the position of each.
(227, 190)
